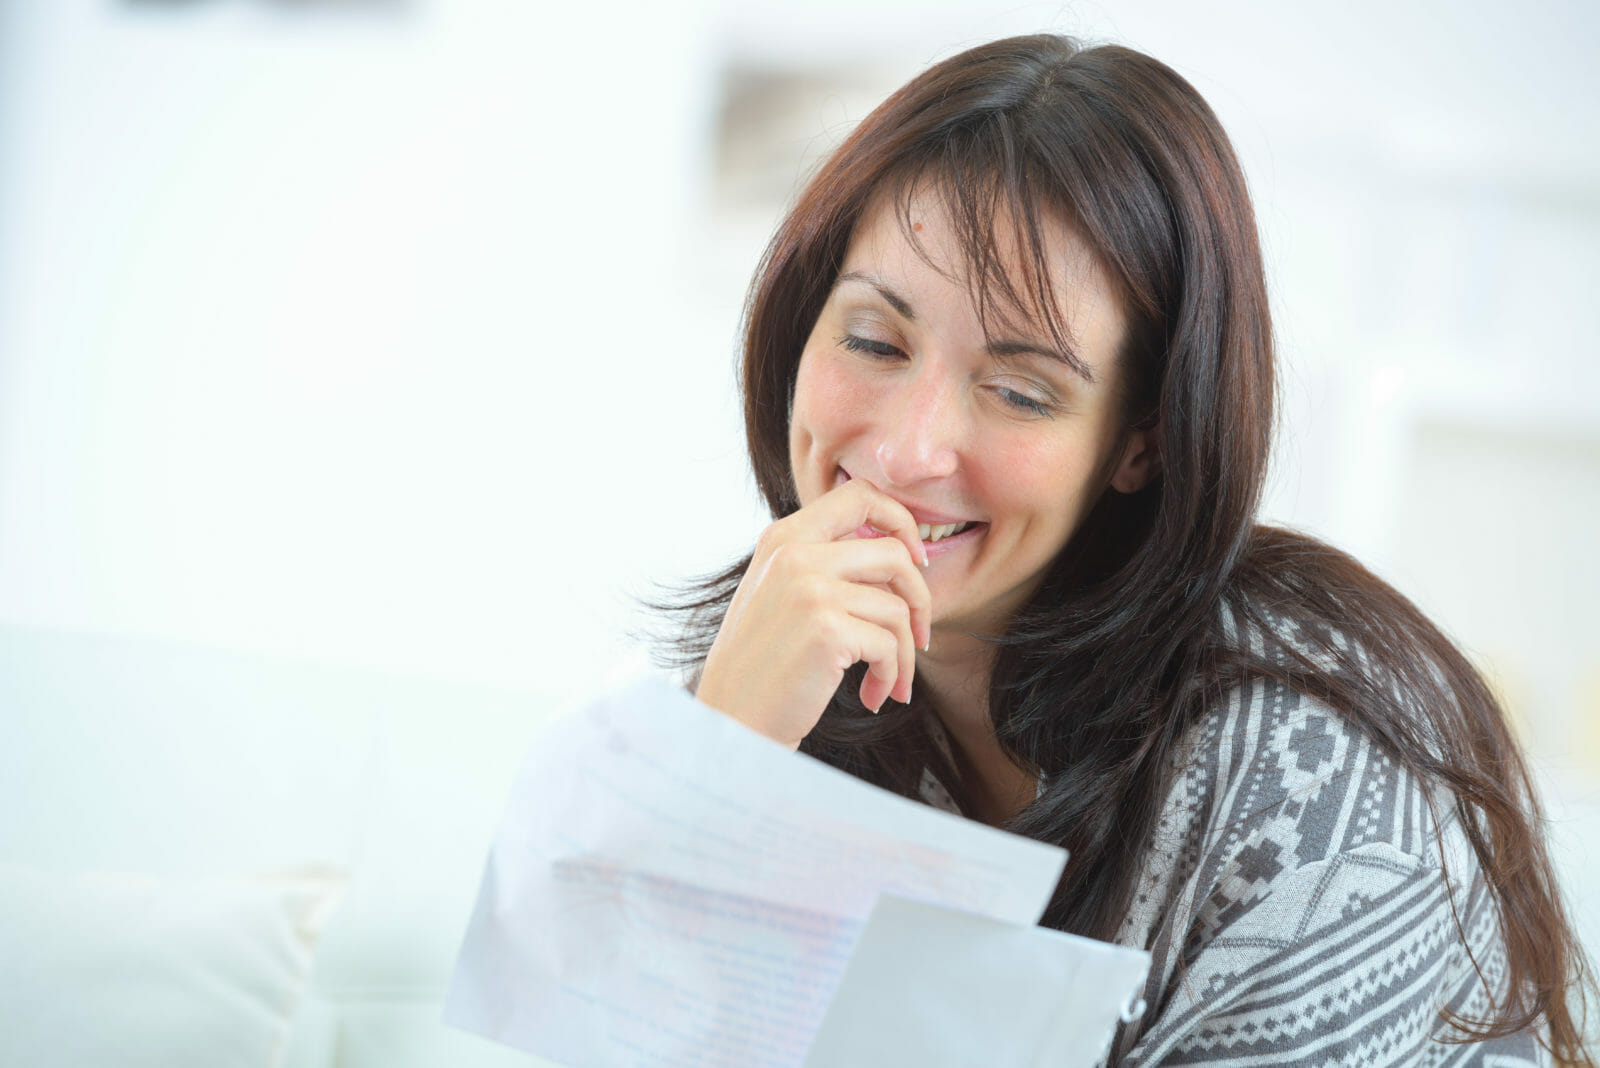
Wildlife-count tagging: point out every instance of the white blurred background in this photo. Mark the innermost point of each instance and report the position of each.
(401, 333)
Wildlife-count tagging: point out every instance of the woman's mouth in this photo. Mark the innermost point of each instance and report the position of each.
(932, 534)
(939, 531)
(937, 538)
(959, 535)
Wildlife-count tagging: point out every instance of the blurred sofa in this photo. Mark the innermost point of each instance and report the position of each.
(211, 858)
(215, 858)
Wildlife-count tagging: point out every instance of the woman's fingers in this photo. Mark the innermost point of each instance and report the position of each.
(835, 584)
(846, 510)
(891, 664)
(873, 562)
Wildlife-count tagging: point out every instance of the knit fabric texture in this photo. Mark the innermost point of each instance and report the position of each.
(1295, 902)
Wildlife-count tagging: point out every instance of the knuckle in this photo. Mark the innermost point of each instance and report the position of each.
(891, 555)
(832, 629)
(810, 590)
(786, 560)
(770, 541)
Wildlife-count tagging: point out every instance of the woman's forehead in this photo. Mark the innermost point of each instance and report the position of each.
(1025, 269)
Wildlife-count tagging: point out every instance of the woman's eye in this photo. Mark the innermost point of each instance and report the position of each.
(1023, 403)
(867, 345)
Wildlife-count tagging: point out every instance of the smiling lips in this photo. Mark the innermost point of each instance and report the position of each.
(935, 536)
(930, 533)
(939, 531)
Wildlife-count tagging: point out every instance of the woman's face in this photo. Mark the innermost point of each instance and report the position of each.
(1002, 435)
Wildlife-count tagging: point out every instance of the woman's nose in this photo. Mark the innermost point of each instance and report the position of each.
(919, 431)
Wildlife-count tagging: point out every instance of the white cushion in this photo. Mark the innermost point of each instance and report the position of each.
(142, 972)
(177, 760)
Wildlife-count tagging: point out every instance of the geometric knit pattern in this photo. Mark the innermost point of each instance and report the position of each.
(1295, 905)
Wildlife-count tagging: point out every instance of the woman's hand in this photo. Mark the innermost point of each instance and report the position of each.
(814, 601)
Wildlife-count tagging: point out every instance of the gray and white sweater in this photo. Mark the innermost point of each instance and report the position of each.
(1294, 902)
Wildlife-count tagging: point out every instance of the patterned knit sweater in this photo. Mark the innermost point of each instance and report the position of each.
(1294, 904)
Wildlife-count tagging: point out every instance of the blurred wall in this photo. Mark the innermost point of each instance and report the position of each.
(400, 332)
(348, 329)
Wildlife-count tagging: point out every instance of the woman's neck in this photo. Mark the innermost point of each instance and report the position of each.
(954, 676)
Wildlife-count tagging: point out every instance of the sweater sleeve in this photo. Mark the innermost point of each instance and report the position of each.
(1302, 906)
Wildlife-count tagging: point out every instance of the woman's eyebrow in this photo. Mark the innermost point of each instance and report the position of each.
(1005, 349)
(1002, 349)
(895, 300)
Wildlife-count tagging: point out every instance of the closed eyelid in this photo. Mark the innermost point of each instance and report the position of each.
(1026, 401)
(870, 322)
(1033, 386)
(857, 343)
(1018, 353)
(1004, 350)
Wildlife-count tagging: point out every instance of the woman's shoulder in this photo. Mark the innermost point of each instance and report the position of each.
(1269, 754)
(1269, 781)
(1301, 881)
(1266, 757)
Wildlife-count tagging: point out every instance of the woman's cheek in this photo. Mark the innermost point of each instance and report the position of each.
(829, 396)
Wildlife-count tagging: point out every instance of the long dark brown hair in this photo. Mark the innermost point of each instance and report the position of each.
(1130, 629)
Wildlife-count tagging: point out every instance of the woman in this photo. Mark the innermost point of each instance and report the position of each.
(1008, 384)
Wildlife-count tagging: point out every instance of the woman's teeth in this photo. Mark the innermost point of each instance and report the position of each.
(938, 531)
